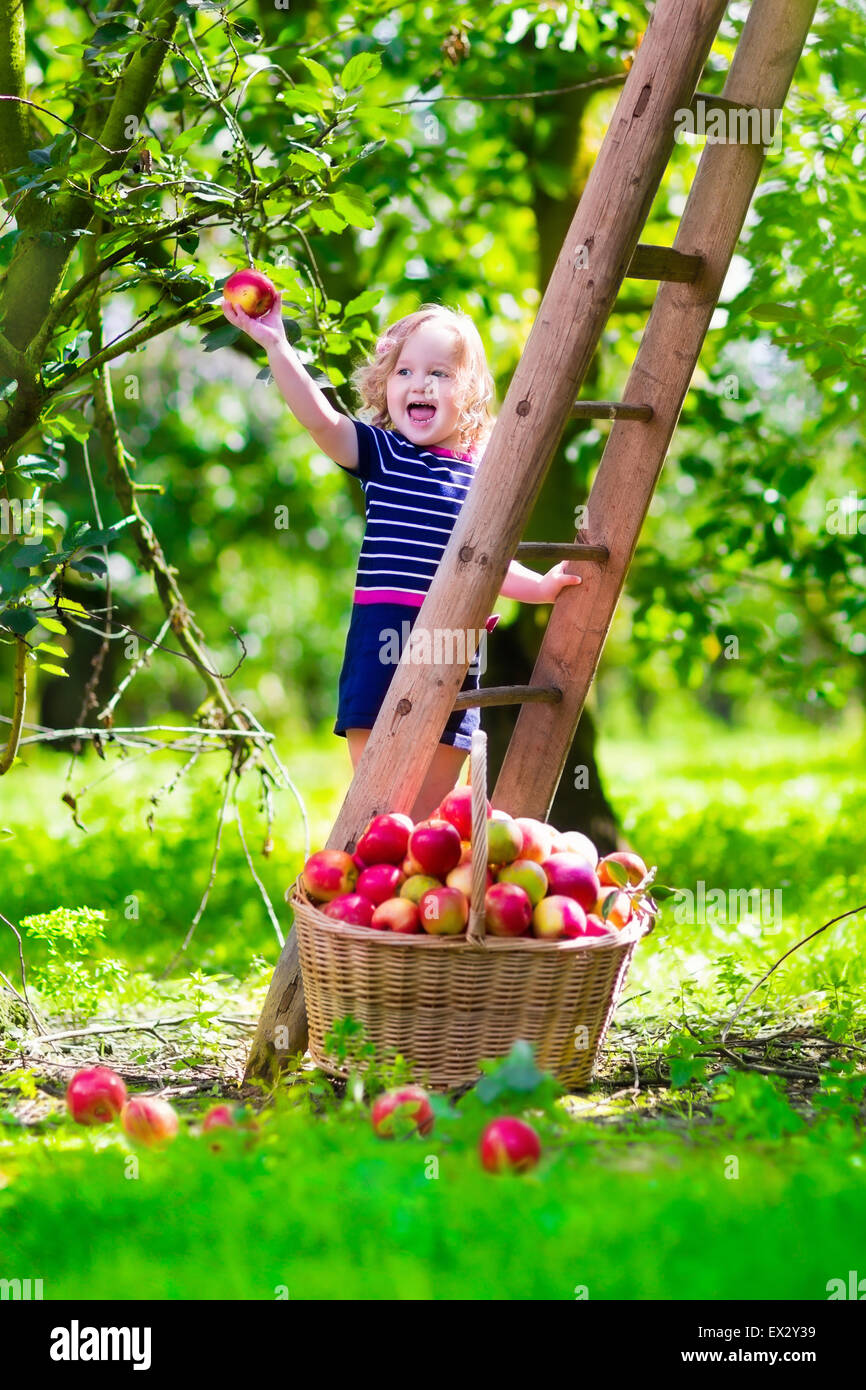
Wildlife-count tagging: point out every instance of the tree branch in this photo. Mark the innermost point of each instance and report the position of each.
(13, 119)
(19, 703)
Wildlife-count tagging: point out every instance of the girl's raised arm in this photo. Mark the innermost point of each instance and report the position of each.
(332, 432)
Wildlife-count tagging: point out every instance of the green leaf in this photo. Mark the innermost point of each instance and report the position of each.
(109, 33)
(303, 98)
(220, 337)
(52, 648)
(35, 466)
(363, 303)
(52, 625)
(89, 564)
(358, 69)
(327, 220)
(608, 903)
(774, 313)
(186, 137)
(29, 555)
(355, 210)
(19, 620)
(92, 536)
(618, 873)
(516, 1072)
(319, 72)
(52, 669)
(71, 605)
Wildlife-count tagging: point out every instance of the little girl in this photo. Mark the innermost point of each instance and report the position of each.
(427, 389)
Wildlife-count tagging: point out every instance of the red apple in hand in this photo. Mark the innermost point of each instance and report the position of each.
(407, 1103)
(95, 1096)
(509, 1144)
(436, 846)
(149, 1120)
(251, 291)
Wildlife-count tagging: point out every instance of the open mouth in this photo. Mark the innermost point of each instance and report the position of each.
(420, 413)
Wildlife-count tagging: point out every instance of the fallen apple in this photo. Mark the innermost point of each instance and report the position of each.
(328, 874)
(95, 1096)
(397, 914)
(396, 1109)
(235, 1117)
(149, 1120)
(250, 291)
(509, 1143)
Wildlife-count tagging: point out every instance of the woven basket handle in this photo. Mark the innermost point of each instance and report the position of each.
(478, 772)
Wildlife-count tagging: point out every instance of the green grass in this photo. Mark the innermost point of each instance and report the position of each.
(634, 1198)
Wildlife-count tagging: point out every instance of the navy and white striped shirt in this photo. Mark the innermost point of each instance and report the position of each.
(413, 497)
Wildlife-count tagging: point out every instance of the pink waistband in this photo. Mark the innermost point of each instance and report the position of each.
(408, 600)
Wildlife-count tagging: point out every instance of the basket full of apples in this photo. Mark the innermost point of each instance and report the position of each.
(451, 939)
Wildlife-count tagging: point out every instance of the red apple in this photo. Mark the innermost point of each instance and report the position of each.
(405, 1104)
(465, 853)
(328, 874)
(504, 840)
(149, 1120)
(616, 912)
(356, 859)
(436, 846)
(507, 910)
(634, 869)
(527, 875)
(556, 917)
(573, 842)
(417, 885)
(397, 914)
(538, 838)
(509, 1144)
(461, 878)
(227, 1117)
(571, 876)
(352, 908)
(95, 1096)
(380, 881)
(456, 807)
(251, 291)
(444, 912)
(595, 926)
(384, 840)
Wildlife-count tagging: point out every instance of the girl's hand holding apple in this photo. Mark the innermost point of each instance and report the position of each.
(267, 329)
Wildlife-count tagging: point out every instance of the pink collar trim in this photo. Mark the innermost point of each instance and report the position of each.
(451, 454)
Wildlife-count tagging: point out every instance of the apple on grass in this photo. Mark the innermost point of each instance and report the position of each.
(398, 915)
(352, 908)
(444, 911)
(509, 1144)
(507, 910)
(95, 1096)
(250, 291)
(436, 846)
(329, 874)
(401, 1111)
(149, 1120)
(235, 1117)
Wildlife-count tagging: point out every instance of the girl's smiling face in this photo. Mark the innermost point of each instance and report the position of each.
(421, 392)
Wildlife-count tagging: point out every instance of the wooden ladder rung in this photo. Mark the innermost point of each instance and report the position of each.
(663, 263)
(610, 410)
(509, 695)
(563, 550)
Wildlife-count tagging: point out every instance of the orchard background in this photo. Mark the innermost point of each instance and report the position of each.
(174, 551)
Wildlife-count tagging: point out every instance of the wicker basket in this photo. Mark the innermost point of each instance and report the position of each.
(444, 1003)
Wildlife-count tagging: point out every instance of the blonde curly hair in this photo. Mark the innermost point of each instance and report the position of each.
(474, 384)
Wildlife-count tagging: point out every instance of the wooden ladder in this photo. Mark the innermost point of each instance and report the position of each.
(600, 250)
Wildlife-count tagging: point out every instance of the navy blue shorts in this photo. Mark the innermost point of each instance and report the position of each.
(366, 676)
